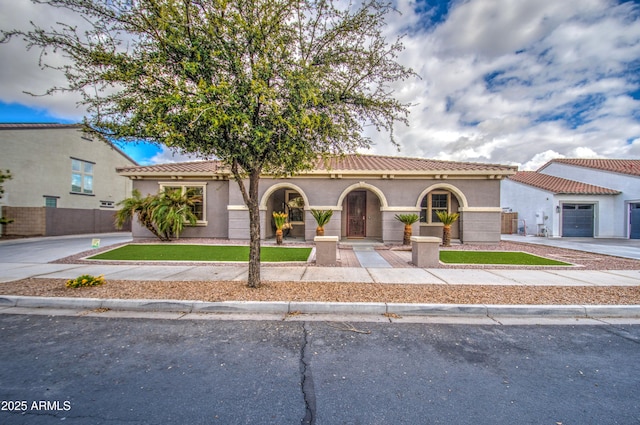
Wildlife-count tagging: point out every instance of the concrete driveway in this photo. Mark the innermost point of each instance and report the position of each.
(47, 249)
(627, 248)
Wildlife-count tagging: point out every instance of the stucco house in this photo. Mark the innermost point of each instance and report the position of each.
(577, 198)
(64, 180)
(365, 193)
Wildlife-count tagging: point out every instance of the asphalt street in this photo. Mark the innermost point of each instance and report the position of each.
(92, 370)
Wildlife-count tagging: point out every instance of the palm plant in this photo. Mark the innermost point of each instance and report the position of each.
(447, 220)
(407, 220)
(172, 209)
(164, 214)
(140, 208)
(279, 218)
(322, 218)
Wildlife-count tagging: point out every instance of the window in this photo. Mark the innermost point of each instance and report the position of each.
(81, 177)
(433, 202)
(197, 190)
(294, 206)
(106, 204)
(51, 201)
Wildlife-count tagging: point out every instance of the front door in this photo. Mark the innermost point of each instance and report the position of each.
(356, 214)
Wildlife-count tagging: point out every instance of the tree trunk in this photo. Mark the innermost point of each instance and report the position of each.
(446, 236)
(279, 236)
(407, 235)
(254, 230)
(319, 231)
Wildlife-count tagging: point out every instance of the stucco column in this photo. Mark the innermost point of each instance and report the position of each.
(425, 251)
(326, 250)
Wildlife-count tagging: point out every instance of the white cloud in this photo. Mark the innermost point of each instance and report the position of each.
(503, 81)
(167, 155)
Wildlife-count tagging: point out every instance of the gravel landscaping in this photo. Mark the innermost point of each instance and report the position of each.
(359, 292)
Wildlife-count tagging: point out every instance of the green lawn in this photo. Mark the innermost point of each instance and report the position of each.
(497, 257)
(156, 252)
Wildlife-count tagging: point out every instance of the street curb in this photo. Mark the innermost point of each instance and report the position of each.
(288, 307)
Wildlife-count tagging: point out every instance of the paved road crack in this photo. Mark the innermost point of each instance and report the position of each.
(306, 384)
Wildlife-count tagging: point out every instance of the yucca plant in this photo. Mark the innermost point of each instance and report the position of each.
(407, 220)
(447, 220)
(279, 218)
(322, 218)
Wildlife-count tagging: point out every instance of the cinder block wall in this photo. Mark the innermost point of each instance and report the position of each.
(27, 221)
(42, 221)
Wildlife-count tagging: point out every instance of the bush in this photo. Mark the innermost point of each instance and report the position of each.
(85, 281)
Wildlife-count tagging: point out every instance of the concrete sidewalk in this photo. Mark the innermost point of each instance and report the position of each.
(501, 314)
(303, 273)
(20, 260)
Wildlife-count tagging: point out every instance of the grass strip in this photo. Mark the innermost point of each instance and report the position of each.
(497, 257)
(157, 252)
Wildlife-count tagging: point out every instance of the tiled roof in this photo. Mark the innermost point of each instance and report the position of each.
(396, 163)
(35, 126)
(559, 185)
(197, 167)
(623, 166)
(347, 164)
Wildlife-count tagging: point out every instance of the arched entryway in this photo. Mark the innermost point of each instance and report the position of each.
(361, 216)
(439, 197)
(287, 198)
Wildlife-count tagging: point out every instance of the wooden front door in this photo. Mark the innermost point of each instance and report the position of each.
(356, 214)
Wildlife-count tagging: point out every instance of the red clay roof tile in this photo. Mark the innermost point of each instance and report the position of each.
(346, 164)
(559, 185)
(622, 166)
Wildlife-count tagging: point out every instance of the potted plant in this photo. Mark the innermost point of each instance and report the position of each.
(447, 220)
(279, 218)
(407, 220)
(322, 218)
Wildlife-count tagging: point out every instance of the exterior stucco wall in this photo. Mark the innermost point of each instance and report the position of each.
(528, 201)
(385, 199)
(40, 163)
(217, 214)
(480, 227)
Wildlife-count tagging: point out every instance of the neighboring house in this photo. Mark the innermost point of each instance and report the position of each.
(64, 180)
(577, 198)
(364, 191)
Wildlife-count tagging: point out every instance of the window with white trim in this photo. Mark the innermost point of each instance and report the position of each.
(81, 176)
(197, 190)
(433, 202)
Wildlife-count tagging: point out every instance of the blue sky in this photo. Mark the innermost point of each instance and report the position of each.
(506, 81)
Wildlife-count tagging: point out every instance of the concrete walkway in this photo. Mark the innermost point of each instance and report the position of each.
(29, 259)
(369, 257)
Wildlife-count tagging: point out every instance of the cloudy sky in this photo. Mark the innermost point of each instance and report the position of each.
(504, 81)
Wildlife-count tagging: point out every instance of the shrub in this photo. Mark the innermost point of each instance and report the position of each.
(84, 281)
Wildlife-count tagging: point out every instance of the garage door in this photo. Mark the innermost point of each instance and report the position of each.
(634, 222)
(577, 220)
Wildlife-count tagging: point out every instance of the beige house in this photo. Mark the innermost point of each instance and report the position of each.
(365, 193)
(64, 180)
